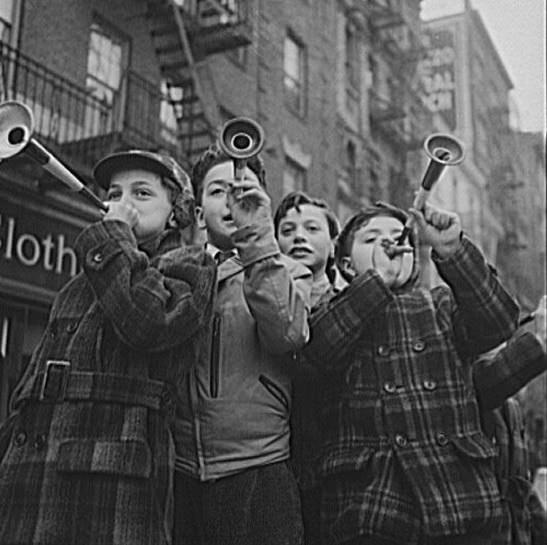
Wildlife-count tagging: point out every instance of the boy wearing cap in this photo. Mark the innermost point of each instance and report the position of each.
(404, 458)
(89, 456)
(233, 485)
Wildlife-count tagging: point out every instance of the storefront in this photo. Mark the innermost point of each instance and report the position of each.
(37, 258)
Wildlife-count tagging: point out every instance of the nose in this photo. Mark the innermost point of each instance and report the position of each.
(387, 239)
(299, 235)
(125, 197)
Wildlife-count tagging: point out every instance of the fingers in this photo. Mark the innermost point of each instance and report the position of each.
(439, 219)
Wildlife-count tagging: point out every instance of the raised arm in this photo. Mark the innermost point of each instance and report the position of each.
(502, 374)
(149, 308)
(276, 288)
(485, 314)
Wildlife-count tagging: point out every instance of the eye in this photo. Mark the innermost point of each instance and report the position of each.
(113, 195)
(217, 191)
(313, 228)
(142, 193)
(286, 231)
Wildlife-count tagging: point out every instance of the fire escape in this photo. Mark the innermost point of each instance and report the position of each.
(184, 33)
(397, 110)
(398, 117)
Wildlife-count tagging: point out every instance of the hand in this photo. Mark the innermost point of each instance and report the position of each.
(123, 212)
(248, 203)
(387, 267)
(439, 229)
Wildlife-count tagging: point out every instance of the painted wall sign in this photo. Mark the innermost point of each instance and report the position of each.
(438, 73)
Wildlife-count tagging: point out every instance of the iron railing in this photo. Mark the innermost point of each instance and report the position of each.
(77, 125)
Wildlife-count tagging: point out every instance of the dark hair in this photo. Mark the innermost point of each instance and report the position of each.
(295, 200)
(214, 155)
(347, 236)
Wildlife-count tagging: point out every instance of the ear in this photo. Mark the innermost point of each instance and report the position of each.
(331, 250)
(171, 221)
(200, 220)
(347, 268)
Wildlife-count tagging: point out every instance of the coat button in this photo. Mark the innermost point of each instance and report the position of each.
(72, 327)
(401, 440)
(418, 346)
(430, 384)
(389, 387)
(97, 257)
(39, 441)
(20, 438)
(383, 350)
(442, 439)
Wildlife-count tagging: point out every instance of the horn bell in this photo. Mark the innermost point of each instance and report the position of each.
(241, 138)
(444, 149)
(16, 127)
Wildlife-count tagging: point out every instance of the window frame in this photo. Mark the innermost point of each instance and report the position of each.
(300, 107)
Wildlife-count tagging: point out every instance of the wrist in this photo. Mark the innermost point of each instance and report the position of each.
(446, 250)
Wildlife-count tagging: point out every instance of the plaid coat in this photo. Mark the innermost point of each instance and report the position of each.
(88, 456)
(403, 451)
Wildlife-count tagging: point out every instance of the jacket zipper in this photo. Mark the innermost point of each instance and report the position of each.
(214, 361)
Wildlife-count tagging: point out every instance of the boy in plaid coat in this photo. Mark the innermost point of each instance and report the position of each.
(404, 459)
(88, 456)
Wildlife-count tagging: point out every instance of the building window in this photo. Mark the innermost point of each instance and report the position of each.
(106, 63)
(352, 58)
(351, 168)
(294, 177)
(294, 62)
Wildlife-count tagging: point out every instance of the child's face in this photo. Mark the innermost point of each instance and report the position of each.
(144, 191)
(305, 237)
(213, 214)
(367, 252)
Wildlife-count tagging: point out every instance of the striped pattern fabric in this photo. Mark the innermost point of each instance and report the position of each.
(96, 467)
(403, 452)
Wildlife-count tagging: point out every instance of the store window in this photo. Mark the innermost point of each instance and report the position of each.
(294, 63)
(21, 326)
(294, 177)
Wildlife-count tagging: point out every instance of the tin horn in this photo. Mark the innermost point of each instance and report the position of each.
(16, 128)
(443, 150)
(241, 138)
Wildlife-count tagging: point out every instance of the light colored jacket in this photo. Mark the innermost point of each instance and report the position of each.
(234, 411)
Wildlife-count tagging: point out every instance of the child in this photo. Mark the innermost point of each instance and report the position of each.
(306, 229)
(233, 484)
(404, 458)
(498, 375)
(90, 456)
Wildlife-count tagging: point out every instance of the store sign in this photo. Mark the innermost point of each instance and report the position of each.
(438, 73)
(36, 249)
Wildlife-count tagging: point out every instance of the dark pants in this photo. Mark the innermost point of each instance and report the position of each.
(259, 506)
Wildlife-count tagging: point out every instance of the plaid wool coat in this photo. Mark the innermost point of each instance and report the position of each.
(403, 451)
(88, 455)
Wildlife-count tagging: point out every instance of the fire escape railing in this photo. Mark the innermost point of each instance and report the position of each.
(78, 126)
